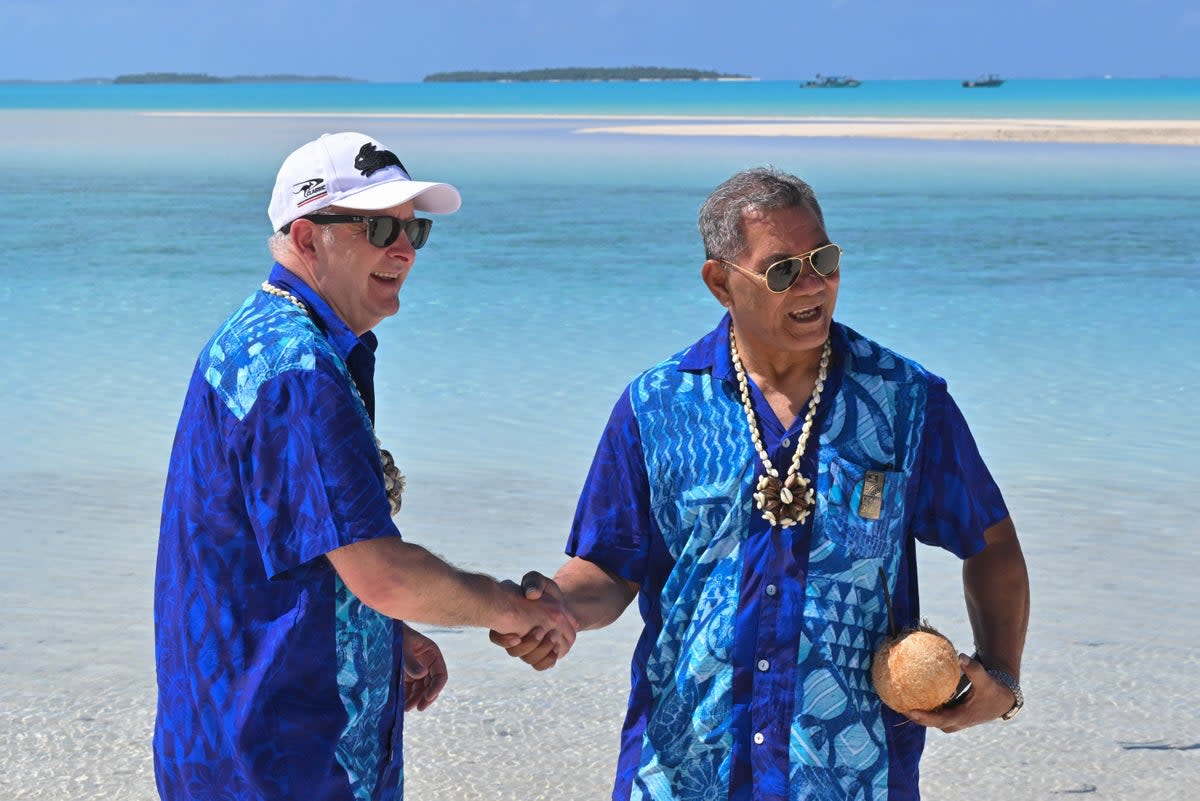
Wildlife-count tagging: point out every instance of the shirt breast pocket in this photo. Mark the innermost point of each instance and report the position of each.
(861, 508)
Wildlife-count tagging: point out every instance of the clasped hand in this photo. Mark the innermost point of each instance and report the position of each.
(542, 645)
(987, 701)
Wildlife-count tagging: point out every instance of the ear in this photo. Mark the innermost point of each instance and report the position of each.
(716, 278)
(303, 236)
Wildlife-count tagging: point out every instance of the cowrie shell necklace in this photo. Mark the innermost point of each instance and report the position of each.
(788, 501)
(393, 480)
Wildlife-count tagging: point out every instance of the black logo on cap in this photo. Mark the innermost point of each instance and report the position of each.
(310, 190)
(309, 187)
(370, 160)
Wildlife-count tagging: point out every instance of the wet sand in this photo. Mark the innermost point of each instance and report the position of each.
(1104, 713)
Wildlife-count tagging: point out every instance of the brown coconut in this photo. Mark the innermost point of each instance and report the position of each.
(916, 670)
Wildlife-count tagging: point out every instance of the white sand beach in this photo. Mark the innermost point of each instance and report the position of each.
(79, 696)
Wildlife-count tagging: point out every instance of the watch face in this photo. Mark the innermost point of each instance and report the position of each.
(1018, 703)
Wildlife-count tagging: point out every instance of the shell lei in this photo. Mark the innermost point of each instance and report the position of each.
(787, 501)
(393, 481)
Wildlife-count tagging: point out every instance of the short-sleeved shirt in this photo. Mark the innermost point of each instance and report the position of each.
(751, 677)
(274, 681)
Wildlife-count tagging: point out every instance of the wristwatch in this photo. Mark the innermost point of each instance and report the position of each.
(1011, 683)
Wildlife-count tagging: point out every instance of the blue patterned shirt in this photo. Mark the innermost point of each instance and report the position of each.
(274, 681)
(751, 679)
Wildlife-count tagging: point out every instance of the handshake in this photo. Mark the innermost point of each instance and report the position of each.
(543, 628)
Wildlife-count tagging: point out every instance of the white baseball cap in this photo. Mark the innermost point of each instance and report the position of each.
(353, 170)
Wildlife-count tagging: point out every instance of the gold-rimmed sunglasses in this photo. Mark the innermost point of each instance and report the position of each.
(780, 276)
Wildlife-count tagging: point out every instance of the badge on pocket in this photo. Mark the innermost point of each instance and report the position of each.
(871, 503)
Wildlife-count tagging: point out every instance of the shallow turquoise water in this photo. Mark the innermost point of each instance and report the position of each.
(1174, 98)
(1030, 275)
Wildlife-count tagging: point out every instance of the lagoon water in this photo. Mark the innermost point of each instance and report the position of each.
(1056, 286)
(1177, 98)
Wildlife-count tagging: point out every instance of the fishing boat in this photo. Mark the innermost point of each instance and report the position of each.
(832, 82)
(983, 82)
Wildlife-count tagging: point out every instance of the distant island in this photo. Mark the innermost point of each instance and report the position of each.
(200, 77)
(588, 74)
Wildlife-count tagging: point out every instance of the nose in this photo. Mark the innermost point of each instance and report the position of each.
(809, 281)
(402, 249)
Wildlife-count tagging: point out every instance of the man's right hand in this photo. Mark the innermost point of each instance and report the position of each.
(553, 628)
(541, 648)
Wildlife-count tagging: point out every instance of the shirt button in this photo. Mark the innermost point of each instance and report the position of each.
(763, 664)
(787, 442)
(758, 738)
(772, 589)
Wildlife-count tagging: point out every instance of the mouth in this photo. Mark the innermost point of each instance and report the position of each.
(806, 315)
(387, 278)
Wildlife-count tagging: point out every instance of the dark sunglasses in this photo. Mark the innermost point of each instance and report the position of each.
(381, 231)
(780, 276)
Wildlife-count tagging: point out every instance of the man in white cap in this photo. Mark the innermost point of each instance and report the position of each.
(284, 667)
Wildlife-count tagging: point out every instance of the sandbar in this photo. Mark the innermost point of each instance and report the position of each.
(1119, 132)
(1123, 132)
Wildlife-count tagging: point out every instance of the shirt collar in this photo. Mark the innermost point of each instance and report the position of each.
(344, 340)
(712, 351)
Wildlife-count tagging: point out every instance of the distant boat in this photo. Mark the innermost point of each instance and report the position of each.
(832, 82)
(983, 82)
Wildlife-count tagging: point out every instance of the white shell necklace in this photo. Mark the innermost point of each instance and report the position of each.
(787, 502)
(393, 481)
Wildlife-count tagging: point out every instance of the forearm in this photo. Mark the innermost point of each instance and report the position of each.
(595, 597)
(996, 586)
(407, 582)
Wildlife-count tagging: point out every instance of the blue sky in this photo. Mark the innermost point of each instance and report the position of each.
(403, 41)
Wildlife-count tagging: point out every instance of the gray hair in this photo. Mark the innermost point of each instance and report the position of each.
(758, 189)
(280, 243)
(282, 249)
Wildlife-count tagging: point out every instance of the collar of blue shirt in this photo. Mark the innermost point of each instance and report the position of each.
(340, 336)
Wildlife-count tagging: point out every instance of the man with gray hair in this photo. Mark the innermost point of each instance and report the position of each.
(763, 492)
(284, 664)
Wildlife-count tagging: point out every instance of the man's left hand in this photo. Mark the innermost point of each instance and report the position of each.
(987, 700)
(424, 670)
